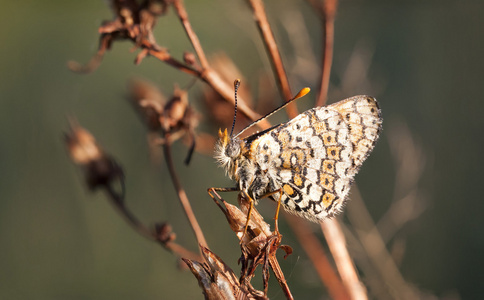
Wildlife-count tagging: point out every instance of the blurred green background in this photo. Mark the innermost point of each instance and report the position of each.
(58, 241)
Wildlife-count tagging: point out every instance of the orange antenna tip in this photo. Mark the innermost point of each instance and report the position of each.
(302, 93)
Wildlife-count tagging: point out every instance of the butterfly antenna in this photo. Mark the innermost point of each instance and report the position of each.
(236, 88)
(301, 93)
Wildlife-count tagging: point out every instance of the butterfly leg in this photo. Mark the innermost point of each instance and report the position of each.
(251, 207)
(214, 190)
(276, 217)
(213, 193)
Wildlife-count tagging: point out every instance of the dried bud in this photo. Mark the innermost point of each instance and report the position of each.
(189, 58)
(217, 280)
(148, 101)
(176, 118)
(258, 231)
(158, 7)
(258, 244)
(175, 110)
(82, 146)
(99, 168)
(164, 232)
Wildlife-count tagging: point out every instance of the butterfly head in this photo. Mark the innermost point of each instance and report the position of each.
(227, 151)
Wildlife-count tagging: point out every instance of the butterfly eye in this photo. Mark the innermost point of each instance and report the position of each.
(233, 148)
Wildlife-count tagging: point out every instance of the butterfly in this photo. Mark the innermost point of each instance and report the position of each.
(307, 164)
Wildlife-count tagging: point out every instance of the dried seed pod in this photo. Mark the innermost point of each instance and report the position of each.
(189, 58)
(164, 232)
(217, 280)
(175, 111)
(100, 169)
(148, 101)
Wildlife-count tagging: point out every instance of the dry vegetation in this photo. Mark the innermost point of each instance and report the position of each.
(169, 119)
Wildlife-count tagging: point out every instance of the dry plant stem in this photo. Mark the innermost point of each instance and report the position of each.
(274, 55)
(181, 252)
(401, 212)
(215, 81)
(118, 203)
(373, 243)
(148, 47)
(280, 277)
(182, 196)
(337, 245)
(372, 277)
(209, 75)
(96, 60)
(164, 56)
(318, 256)
(329, 12)
(182, 14)
(173, 247)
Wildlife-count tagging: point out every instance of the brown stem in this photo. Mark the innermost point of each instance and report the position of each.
(104, 44)
(212, 78)
(182, 196)
(163, 55)
(328, 16)
(274, 55)
(280, 276)
(337, 245)
(374, 246)
(182, 14)
(118, 203)
(209, 75)
(318, 257)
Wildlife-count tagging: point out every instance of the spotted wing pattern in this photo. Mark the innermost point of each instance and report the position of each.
(314, 157)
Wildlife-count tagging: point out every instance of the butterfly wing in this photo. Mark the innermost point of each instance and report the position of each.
(314, 157)
(363, 117)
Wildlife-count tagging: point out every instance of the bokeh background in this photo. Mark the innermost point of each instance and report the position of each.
(422, 59)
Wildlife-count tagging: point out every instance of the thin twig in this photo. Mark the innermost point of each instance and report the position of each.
(210, 76)
(373, 282)
(182, 196)
(375, 248)
(104, 44)
(337, 245)
(274, 55)
(118, 203)
(328, 12)
(166, 57)
(213, 79)
(182, 14)
(318, 257)
(280, 277)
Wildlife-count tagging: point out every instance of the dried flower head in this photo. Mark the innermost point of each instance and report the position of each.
(218, 281)
(100, 169)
